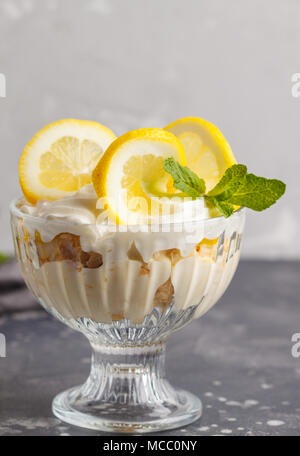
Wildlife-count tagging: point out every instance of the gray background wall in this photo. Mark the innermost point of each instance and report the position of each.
(135, 63)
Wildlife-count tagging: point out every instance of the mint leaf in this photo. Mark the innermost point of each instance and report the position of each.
(229, 183)
(184, 178)
(258, 193)
(236, 188)
(225, 208)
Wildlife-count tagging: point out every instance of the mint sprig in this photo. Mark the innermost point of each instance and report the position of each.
(236, 188)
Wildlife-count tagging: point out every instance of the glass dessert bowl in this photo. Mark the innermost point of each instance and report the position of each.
(126, 291)
(97, 254)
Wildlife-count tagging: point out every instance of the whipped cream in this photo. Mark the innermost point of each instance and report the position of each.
(78, 208)
(81, 208)
(78, 214)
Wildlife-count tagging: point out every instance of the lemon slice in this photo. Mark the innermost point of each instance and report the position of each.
(131, 169)
(61, 157)
(207, 152)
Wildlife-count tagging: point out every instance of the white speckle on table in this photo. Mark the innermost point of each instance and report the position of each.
(240, 429)
(222, 399)
(30, 423)
(234, 404)
(246, 404)
(62, 428)
(285, 403)
(275, 423)
(250, 403)
(208, 394)
(7, 430)
(208, 406)
(226, 431)
(258, 422)
(214, 425)
(266, 386)
(217, 383)
(231, 419)
(204, 428)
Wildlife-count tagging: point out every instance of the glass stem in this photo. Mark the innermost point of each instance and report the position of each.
(127, 391)
(127, 375)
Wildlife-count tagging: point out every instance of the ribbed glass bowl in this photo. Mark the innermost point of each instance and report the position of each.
(127, 292)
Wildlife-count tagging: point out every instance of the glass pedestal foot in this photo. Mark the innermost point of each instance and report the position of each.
(127, 392)
(124, 418)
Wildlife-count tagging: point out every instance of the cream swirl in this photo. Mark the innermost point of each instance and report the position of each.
(81, 208)
(78, 208)
(78, 214)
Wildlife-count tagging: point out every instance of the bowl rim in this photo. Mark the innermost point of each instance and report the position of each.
(15, 210)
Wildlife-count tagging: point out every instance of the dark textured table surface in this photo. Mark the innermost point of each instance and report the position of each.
(237, 358)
